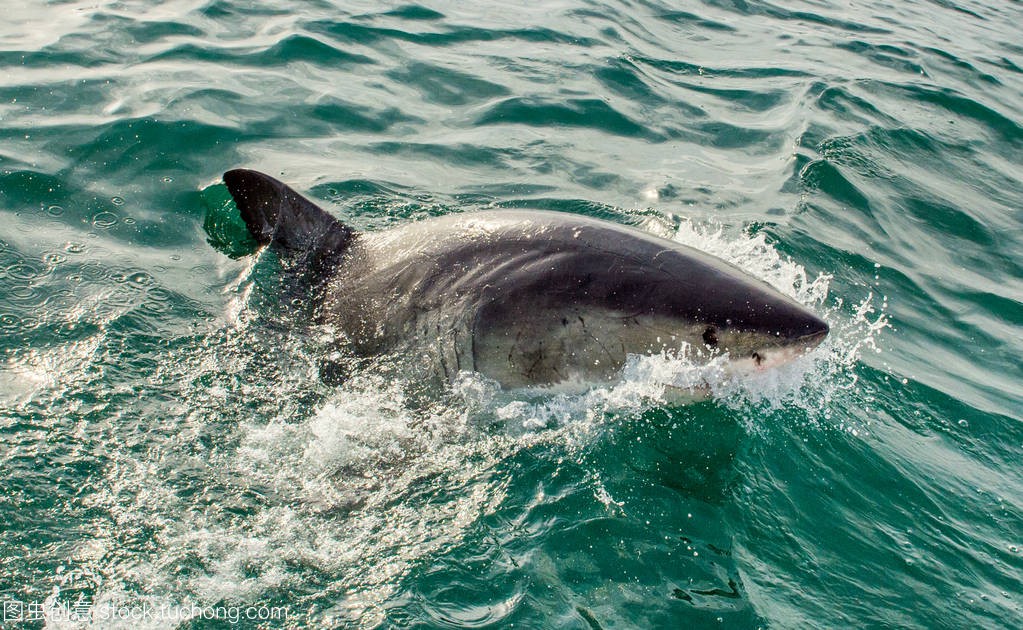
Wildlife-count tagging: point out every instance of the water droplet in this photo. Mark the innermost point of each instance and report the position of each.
(117, 201)
(140, 279)
(129, 221)
(166, 180)
(55, 211)
(963, 423)
(9, 323)
(54, 258)
(74, 248)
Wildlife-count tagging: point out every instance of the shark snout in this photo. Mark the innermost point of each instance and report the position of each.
(801, 338)
(813, 334)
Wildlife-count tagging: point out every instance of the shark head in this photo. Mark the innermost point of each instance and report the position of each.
(577, 311)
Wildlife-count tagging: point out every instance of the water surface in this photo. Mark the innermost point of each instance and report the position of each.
(163, 445)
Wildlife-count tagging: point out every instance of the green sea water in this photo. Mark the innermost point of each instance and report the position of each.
(164, 444)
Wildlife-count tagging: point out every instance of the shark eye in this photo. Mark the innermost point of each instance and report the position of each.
(710, 336)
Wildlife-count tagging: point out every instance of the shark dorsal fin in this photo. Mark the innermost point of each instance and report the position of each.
(278, 216)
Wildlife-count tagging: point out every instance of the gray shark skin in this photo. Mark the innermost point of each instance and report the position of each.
(526, 298)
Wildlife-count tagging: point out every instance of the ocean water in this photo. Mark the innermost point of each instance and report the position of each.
(165, 448)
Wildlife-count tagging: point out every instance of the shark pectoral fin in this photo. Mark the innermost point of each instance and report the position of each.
(277, 216)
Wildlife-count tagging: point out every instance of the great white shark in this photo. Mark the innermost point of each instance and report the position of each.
(526, 298)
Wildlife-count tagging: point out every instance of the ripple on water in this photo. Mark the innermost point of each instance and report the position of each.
(104, 220)
(447, 86)
(61, 301)
(25, 296)
(9, 322)
(27, 271)
(53, 259)
(586, 113)
(92, 271)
